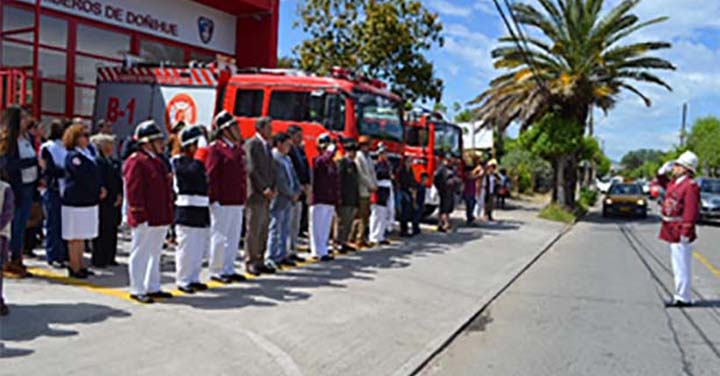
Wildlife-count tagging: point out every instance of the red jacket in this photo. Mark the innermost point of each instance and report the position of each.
(226, 173)
(325, 180)
(680, 209)
(149, 190)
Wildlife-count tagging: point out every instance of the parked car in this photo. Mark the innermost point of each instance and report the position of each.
(710, 198)
(625, 199)
(656, 190)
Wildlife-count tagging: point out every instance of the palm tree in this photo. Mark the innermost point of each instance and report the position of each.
(579, 60)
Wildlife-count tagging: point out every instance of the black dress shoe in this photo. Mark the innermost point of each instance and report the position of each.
(288, 262)
(326, 258)
(678, 304)
(235, 277)
(88, 272)
(222, 279)
(80, 274)
(4, 310)
(254, 271)
(267, 270)
(186, 289)
(160, 294)
(145, 299)
(297, 258)
(385, 242)
(113, 263)
(197, 286)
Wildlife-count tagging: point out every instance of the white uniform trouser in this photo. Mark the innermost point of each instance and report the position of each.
(295, 219)
(378, 222)
(681, 261)
(192, 244)
(225, 229)
(480, 204)
(144, 264)
(321, 216)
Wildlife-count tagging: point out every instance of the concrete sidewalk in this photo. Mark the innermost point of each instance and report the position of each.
(375, 312)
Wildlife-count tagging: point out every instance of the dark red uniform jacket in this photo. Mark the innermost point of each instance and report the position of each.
(149, 190)
(680, 209)
(225, 166)
(326, 180)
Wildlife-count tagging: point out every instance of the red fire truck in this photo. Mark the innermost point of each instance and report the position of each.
(343, 104)
(428, 137)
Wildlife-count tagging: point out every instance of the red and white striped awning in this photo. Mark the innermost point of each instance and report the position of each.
(165, 76)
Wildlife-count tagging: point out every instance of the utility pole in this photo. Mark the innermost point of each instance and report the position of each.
(683, 130)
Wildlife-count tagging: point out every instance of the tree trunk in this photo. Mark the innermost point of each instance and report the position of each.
(560, 181)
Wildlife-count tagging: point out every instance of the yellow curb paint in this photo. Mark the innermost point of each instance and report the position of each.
(49, 275)
(703, 260)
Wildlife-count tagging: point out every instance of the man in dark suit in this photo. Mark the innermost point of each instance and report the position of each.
(298, 220)
(261, 191)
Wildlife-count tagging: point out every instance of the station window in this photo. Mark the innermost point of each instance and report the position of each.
(201, 57)
(52, 64)
(156, 52)
(248, 103)
(53, 97)
(102, 42)
(16, 54)
(53, 31)
(86, 69)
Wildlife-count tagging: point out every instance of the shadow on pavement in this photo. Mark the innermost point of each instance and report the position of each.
(298, 284)
(9, 352)
(28, 322)
(706, 304)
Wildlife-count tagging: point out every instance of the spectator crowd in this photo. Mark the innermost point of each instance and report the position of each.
(71, 188)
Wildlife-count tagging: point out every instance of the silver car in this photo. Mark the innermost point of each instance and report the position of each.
(710, 198)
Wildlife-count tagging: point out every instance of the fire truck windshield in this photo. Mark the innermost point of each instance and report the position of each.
(447, 139)
(379, 117)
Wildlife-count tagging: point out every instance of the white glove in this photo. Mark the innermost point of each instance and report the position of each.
(684, 240)
(666, 168)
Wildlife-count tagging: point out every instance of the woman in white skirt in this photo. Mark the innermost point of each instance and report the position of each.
(81, 195)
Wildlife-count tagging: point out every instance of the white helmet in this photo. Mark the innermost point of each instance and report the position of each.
(688, 160)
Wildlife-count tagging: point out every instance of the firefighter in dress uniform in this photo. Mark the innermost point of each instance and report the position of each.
(226, 173)
(192, 214)
(325, 196)
(680, 211)
(150, 211)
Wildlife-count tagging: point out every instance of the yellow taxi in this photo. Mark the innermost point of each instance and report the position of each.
(625, 199)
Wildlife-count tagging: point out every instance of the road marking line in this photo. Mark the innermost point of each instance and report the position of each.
(703, 260)
(65, 280)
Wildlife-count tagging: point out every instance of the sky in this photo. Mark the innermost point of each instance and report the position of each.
(472, 27)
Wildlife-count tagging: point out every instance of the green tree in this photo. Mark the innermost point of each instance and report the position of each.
(636, 158)
(383, 39)
(462, 115)
(287, 62)
(704, 140)
(578, 57)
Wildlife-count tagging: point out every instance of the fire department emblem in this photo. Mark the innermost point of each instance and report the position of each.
(181, 107)
(206, 27)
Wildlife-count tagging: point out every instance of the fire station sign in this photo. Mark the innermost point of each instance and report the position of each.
(183, 21)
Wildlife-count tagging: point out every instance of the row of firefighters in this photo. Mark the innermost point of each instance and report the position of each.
(202, 192)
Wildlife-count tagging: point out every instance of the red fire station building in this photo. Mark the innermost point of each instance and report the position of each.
(50, 49)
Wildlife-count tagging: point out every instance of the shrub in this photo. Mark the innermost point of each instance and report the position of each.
(557, 213)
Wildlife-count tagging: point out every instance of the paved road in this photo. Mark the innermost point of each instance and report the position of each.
(377, 312)
(593, 305)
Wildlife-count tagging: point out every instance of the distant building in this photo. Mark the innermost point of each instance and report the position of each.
(476, 137)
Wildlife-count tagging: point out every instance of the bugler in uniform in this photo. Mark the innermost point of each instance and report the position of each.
(150, 211)
(226, 172)
(192, 214)
(326, 194)
(680, 211)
